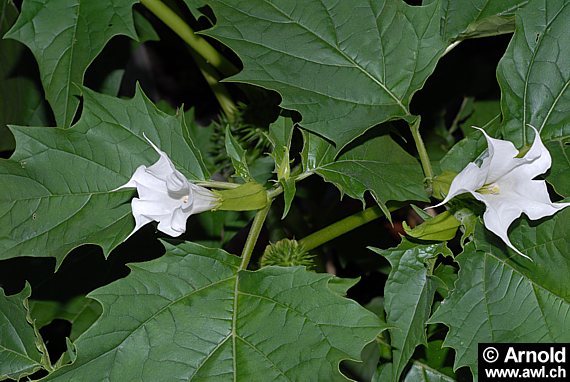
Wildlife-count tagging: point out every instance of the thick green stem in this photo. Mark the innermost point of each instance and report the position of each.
(253, 235)
(205, 55)
(341, 227)
(200, 45)
(424, 158)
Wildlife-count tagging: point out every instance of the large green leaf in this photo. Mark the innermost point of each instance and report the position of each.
(344, 65)
(21, 100)
(408, 294)
(65, 36)
(510, 299)
(378, 165)
(57, 187)
(463, 19)
(19, 341)
(534, 73)
(192, 315)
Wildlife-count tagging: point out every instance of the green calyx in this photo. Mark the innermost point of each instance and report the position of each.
(249, 196)
(440, 228)
(287, 253)
(441, 183)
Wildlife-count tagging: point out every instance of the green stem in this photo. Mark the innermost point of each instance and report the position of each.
(341, 227)
(205, 55)
(253, 235)
(200, 45)
(424, 158)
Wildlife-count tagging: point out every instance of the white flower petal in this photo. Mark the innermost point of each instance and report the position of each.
(471, 178)
(497, 219)
(506, 185)
(532, 198)
(202, 199)
(500, 159)
(537, 160)
(166, 196)
(174, 224)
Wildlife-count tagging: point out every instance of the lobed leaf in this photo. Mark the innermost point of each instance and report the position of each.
(408, 294)
(65, 36)
(378, 165)
(19, 352)
(498, 298)
(58, 185)
(344, 65)
(191, 314)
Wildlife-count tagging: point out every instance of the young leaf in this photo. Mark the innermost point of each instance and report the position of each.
(379, 165)
(58, 185)
(344, 65)
(192, 315)
(65, 36)
(19, 353)
(463, 19)
(238, 157)
(534, 74)
(498, 299)
(409, 293)
(280, 135)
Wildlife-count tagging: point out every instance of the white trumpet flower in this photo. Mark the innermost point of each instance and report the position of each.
(506, 184)
(166, 196)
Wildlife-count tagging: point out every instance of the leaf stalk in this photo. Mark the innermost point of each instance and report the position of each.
(424, 158)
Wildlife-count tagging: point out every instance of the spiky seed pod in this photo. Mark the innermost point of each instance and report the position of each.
(287, 253)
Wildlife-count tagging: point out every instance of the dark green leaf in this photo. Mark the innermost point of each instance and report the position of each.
(65, 36)
(463, 19)
(534, 74)
(192, 315)
(498, 298)
(58, 186)
(378, 165)
(344, 65)
(409, 293)
(19, 341)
